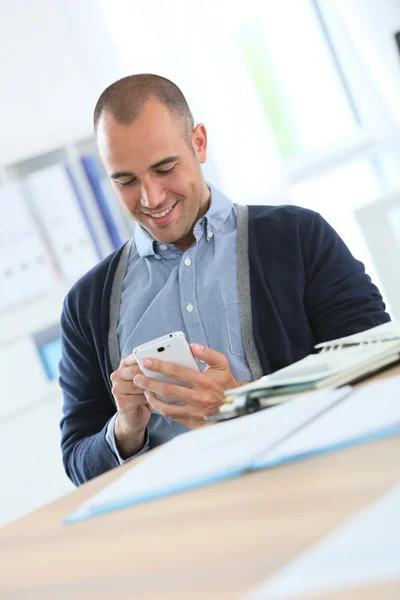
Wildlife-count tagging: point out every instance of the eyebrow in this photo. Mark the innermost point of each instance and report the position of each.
(156, 165)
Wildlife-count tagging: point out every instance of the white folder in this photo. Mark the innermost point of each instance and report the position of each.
(58, 208)
(26, 268)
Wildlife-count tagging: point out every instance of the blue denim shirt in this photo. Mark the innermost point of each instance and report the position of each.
(194, 291)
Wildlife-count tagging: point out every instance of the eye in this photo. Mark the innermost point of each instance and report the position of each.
(165, 171)
(125, 183)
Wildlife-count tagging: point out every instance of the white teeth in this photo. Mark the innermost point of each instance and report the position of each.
(163, 213)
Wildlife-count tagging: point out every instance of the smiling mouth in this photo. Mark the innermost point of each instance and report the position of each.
(161, 214)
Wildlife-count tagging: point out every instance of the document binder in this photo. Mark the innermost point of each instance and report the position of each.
(107, 202)
(63, 220)
(26, 268)
(337, 362)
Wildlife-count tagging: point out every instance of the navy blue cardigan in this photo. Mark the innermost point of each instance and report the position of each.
(306, 288)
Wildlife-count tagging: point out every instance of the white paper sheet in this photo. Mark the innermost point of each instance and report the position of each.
(369, 409)
(365, 550)
(213, 452)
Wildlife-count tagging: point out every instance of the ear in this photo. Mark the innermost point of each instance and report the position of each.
(199, 142)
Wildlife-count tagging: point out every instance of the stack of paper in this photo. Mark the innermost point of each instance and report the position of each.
(339, 362)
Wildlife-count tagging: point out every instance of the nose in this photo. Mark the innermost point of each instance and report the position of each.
(152, 194)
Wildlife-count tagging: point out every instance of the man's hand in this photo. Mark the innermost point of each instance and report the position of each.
(204, 391)
(133, 409)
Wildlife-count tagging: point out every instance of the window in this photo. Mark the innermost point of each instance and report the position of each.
(295, 75)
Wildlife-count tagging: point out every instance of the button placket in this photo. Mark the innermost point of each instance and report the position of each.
(186, 277)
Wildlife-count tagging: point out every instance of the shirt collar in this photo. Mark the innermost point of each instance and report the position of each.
(144, 242)
(219, 210)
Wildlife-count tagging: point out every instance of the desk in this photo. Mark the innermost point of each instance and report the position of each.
(212, 543)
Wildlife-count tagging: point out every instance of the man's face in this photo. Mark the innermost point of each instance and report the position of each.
(157, 177)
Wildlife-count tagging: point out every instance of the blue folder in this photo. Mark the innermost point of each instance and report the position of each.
(83, 210)
(93, 170)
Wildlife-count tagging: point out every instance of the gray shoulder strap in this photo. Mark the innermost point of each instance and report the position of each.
(244, 294)
(115, 303)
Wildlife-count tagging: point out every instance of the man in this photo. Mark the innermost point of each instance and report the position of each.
(254, 288)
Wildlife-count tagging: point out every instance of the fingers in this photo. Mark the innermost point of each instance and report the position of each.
(122, 381)
(207, 396)
(122, 378)
(127, 401)
(128, 361)
(188, 376)
(127, 372)
(125, 388)
(212, 358)
(179, 413)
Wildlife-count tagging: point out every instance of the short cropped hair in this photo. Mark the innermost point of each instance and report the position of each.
(125, 100)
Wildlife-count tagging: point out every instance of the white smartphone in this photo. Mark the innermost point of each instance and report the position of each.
(172, 348)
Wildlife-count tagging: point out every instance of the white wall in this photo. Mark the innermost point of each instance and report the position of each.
(57, 57)
(363, 33)
(30, 467)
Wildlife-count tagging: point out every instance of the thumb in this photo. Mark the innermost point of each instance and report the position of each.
(128, 361)
(212, 358)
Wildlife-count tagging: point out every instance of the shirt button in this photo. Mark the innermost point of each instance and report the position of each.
(187, 262)
(189, 307)
(163, 247)
(157, 256)
(209, 235)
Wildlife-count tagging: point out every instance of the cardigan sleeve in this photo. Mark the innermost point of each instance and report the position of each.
(340, 298)
(87, 405)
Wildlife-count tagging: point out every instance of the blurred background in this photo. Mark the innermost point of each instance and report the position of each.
(301, 99)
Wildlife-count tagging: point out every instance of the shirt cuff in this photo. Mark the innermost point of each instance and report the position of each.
(110, 439)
